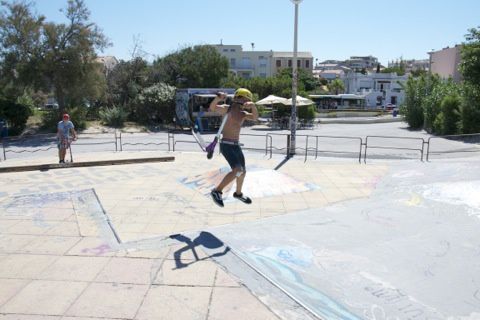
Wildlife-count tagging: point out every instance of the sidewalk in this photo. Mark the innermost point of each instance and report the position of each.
(60, 258)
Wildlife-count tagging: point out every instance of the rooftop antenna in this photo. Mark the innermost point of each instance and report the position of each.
(221, 42)
(253, 46)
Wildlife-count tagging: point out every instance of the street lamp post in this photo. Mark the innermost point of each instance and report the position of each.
(293, 118)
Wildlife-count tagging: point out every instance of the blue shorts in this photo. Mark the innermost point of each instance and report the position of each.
(234, 155)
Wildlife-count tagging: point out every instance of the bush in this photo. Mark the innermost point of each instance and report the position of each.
(306, 112)
(155, 104)
(15, 114)
(470, 110)
(451, 112)
(439, 123)
(78, 116)
(114, 117)
(412, 108)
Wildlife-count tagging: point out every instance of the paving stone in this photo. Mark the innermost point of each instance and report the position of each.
(130, 270)
(237, 303)
(44, 298)
(172, 302)
(191, 273)
(27, 317)
(75, 268)
(51, 245)
(9, 288)
(25, 266)
(107, 300)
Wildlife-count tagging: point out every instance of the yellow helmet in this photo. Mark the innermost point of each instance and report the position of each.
(242, 92)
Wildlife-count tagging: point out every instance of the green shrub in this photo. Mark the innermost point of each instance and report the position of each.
(155, 104)
(78, 116)
(412, 108)
(306, 112)
(114, 117)
(470, 110)
(15, 114)
(439, 124)
(451, 112)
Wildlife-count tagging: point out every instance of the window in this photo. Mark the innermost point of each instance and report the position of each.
(246, 61)
(263, 75)
(307, 63)
(299, 63)
(262, 61)
(232, 50)
(225, 50)
(278, 63)
(233, 62)
(289, 63)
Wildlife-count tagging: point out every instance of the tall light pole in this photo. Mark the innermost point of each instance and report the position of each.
(293, 118)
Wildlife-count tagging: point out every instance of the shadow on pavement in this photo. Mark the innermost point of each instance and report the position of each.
(204, 239)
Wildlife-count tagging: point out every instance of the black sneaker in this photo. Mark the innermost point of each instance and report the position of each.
(61, 161)
(217, 197)
(242, 198)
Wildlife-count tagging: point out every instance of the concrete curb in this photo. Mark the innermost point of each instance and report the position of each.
(359, 121)
(44, 167)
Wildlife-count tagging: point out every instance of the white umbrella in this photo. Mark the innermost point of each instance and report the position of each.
(271, 99)
(301, 101)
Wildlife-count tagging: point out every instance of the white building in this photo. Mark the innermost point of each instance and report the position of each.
(379, 89)
(330, 74)
(108, 62)
(362, 62)
(411, 65)
(249, 64)
(445, 62)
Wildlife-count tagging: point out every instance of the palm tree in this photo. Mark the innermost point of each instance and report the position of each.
(336, 86)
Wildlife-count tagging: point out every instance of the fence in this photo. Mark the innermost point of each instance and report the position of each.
(314, 145)
(397, 146)
(472, 139)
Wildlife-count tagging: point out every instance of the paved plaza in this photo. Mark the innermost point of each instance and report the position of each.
(325, 239)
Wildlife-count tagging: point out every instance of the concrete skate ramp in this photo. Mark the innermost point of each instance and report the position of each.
(411, 251)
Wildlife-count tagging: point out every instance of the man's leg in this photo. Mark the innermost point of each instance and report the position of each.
(227, 179)
(240, 180)
(63, 152)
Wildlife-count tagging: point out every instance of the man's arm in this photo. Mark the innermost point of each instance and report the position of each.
(74, 134)
(253, 114)
(216, 107)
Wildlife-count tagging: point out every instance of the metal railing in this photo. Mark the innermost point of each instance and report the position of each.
(393, 147)
(122, 143)
(268, 143)
(271, 142)
(473, 138)
(316, 149)
(40, 139)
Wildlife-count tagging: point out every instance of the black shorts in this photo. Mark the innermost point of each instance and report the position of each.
(234, 155)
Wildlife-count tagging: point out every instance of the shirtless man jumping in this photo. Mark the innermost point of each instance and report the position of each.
(242, 109)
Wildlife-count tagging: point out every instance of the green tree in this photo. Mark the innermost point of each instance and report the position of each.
(200, 66)
(470, 109)
(20, 48)
(336, 86)
(155, 104)
(470, 53)
(126, 81)
(69, 55)
(53, 57)
(412, 108)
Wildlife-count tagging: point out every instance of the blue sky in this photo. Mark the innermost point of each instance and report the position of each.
(328, 29)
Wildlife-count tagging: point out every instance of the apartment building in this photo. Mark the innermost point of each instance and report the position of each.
(108, 62)
(446, 62)
(411, 65)
(379, 89)
(362, 62)
(249, 64)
